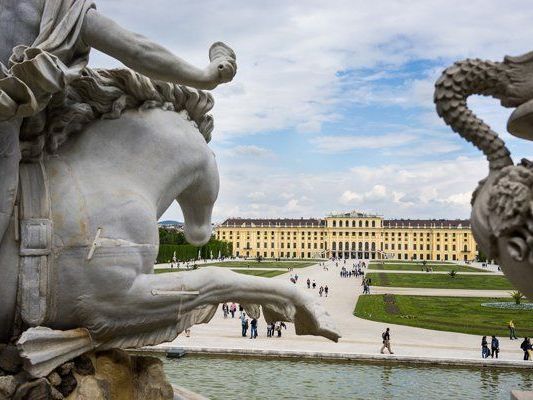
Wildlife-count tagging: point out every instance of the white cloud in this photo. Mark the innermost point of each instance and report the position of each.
(340, 144)
(304, 64)
(256, 196)
(289, 54)
(248, 151)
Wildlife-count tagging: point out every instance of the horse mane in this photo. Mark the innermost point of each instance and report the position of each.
(106, 94)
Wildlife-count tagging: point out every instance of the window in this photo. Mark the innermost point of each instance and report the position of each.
(373, 224)
(334, 223)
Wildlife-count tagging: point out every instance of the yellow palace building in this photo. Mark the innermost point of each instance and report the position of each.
(352, 235)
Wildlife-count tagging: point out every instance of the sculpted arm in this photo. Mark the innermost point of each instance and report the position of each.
(153, 60)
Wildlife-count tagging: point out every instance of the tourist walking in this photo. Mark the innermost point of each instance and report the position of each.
(233, 309)
(244, 323)
(526, 348)
(512, 333)
(270, 330)
(494, 347)
(326, 290)
(253, 329)
(314, 284)
(320, 291)
(485, 352)
(225, 310)
(386, 341)
(308, 283)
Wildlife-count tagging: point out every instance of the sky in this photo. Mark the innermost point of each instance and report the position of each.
(332, 105)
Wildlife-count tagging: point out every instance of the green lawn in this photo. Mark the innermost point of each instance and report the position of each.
(165, 270)
(265, 273)
(456, 314)
(412, 262)
(262, 264)
(418, 267)
(440, 281)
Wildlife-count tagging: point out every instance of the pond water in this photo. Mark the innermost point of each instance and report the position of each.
(266, 378)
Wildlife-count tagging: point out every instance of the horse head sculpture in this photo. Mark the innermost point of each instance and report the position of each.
(502, 205)
(118, 149)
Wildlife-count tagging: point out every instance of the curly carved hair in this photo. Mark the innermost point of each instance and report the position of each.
(105, 94)
(511, 208)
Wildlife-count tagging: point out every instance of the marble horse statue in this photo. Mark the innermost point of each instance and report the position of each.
(102, 155)
(502, 204)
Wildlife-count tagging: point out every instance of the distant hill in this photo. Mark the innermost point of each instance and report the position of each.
(170, 223)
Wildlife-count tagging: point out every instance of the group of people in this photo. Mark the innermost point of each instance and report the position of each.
(494, 347)
(251, 324)
(322, 290)
(494, 350)
(526, 345)
(232, 309)
(294, 278)
(273, 329)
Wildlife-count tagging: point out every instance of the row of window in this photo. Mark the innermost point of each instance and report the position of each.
(354, 224)
(421, 247)
(282, 245)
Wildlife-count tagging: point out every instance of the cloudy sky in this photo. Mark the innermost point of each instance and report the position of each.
(331, 109)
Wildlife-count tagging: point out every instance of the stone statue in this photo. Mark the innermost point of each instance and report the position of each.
(104, 154)
(502, 205)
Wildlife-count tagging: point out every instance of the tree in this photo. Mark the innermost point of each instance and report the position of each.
(517, 296)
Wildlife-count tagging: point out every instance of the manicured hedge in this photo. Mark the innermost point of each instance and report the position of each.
(185, 252)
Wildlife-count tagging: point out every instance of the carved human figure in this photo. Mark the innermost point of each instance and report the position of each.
(502, 205)
(45, 43)
(106, 154)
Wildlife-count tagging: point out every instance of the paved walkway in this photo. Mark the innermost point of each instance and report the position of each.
(359, 336)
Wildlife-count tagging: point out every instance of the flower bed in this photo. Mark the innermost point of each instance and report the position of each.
(508, 305)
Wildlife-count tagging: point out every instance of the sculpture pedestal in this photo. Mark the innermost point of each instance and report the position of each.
(107, 375)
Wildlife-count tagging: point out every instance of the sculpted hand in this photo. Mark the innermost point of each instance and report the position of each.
(223, 65)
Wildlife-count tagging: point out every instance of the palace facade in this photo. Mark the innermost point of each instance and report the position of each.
(351, 235)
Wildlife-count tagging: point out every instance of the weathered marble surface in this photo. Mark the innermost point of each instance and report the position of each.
(502, 205)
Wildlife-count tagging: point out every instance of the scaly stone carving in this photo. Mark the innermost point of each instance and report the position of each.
(502, 205)
(104, 154)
